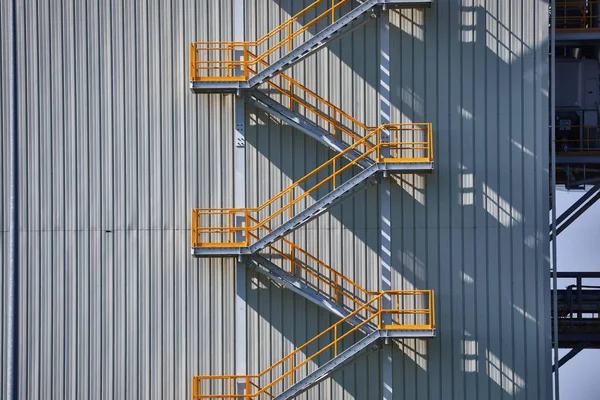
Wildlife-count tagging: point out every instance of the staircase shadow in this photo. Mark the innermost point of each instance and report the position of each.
(454, 231)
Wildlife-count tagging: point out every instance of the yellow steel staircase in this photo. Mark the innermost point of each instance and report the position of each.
(364, 154)
(216, 231)
(225, 66)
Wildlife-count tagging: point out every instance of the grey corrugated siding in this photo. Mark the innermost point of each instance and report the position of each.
(115, 151)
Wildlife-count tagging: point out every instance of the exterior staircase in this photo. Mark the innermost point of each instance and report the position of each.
(256, 235)
(224, 66)
(228, 231)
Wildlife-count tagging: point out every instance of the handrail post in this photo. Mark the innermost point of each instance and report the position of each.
(332, 11)
(246, 62)
(335, 340)
(334, 173)
(248, 397)
(380, 317)
(291, 207)
(293, 259)
(290, 31)
(247, 227)
(292, 370)
(229, 227)
(192, 62)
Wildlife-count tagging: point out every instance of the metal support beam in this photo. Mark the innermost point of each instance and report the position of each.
(576, 210)
(567, 357)
(12, 273)
(385, 234)
(239, 159)
(554, 267)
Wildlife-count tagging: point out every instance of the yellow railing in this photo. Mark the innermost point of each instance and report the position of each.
(340, 288)
(231, 227)
(581, 140)
(577, 15)
(229, 61)
(408, 310)
(329, 115)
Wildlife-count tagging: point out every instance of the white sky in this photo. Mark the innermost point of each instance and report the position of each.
(577, 251)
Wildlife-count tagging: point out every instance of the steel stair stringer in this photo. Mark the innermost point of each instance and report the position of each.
(369, 343)
(355, 184)
(266, 267)
(366, 177)
(303, 124)
(347, 23)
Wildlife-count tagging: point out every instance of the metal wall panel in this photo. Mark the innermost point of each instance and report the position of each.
(475, 230)
(115, 152)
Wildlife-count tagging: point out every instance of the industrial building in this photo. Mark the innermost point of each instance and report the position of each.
(256, 199)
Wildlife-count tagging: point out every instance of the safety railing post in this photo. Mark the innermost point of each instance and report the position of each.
(379, 313)
(291, 207)
(246, 62)
(292, 370)
(378, 141)
(192, 62)
(247, 227)
(193, 230)
(230, 226)
(293, 259)
(289, 30)
(248, 396)
(332, 11)
(195, 388)
(334, 173)
(335, 340)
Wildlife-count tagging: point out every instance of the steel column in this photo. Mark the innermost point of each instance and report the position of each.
(385, 234)
(553, 189)
(12, 273)
(239, 159)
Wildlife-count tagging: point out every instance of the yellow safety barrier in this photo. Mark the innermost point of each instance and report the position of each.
(326, 345)
(577, 15)
(578, 140)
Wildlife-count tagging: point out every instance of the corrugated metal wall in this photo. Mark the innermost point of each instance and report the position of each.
(115, 151)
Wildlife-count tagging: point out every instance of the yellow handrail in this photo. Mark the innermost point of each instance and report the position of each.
(222, 61)
(578, 140)
(372, 311)
(337, 112)
(289, 199)
(574, 16)
(335, 286)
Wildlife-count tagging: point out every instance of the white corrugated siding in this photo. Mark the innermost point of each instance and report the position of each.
(115, 151)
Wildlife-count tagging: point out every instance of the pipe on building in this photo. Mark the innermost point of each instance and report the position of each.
(12, 277)
(553, 190)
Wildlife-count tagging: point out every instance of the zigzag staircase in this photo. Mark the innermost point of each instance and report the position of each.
(224, 66)
(366, 318)
(364, 154)
(229, 231)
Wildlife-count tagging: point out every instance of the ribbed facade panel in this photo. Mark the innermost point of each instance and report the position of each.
(115, 152)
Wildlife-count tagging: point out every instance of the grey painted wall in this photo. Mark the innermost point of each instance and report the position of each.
(115, 151)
